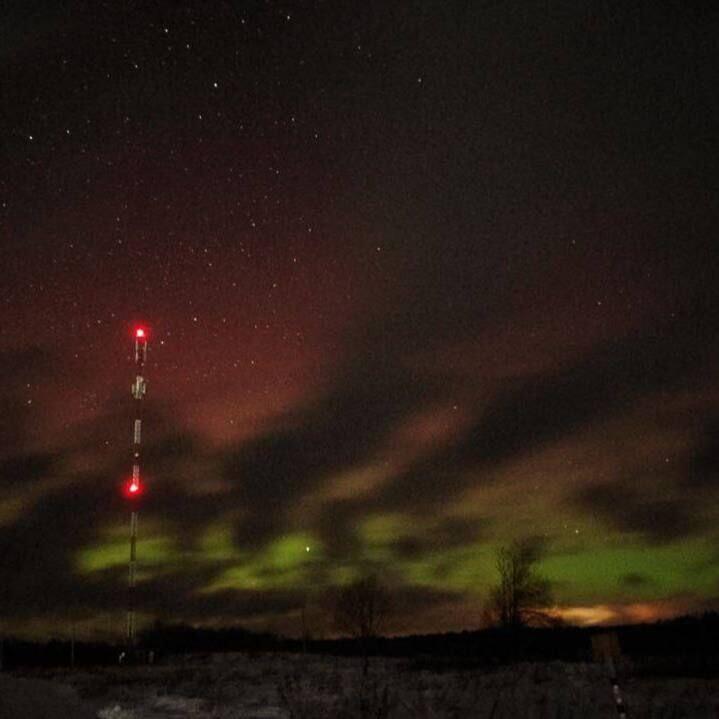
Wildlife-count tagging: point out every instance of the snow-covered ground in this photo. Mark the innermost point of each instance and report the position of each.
(280, 686)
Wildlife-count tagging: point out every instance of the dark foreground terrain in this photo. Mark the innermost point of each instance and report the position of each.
(293, 686)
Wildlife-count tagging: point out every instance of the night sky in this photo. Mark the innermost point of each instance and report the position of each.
(421, 278)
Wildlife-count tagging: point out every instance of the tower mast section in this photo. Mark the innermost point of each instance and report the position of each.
(134, 487)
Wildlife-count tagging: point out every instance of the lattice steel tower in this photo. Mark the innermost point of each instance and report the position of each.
(133, 488)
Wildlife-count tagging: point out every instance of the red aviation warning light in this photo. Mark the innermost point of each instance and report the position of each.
(140, 333)
(132, 489)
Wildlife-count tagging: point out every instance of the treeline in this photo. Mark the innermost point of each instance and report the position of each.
(694, 639)
(20, 654)
(184, 639)
(689, 637)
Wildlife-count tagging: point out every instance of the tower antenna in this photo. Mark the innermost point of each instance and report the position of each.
(134, 486)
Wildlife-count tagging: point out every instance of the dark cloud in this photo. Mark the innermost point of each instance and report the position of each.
(446, 534)
(703, 470)
(629, 506)
(336, 431)
(38, 575)
(23, 471)
(537, 410)
(666, 500)
(635, 580)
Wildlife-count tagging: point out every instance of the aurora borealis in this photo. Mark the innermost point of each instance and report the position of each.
(421, 278)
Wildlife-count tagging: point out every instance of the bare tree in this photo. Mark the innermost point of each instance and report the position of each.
(522, 597)
(360, 609)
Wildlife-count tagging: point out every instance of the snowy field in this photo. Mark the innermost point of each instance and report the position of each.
(278, 686)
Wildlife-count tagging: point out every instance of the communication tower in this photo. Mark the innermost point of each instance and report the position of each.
(133, 488)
